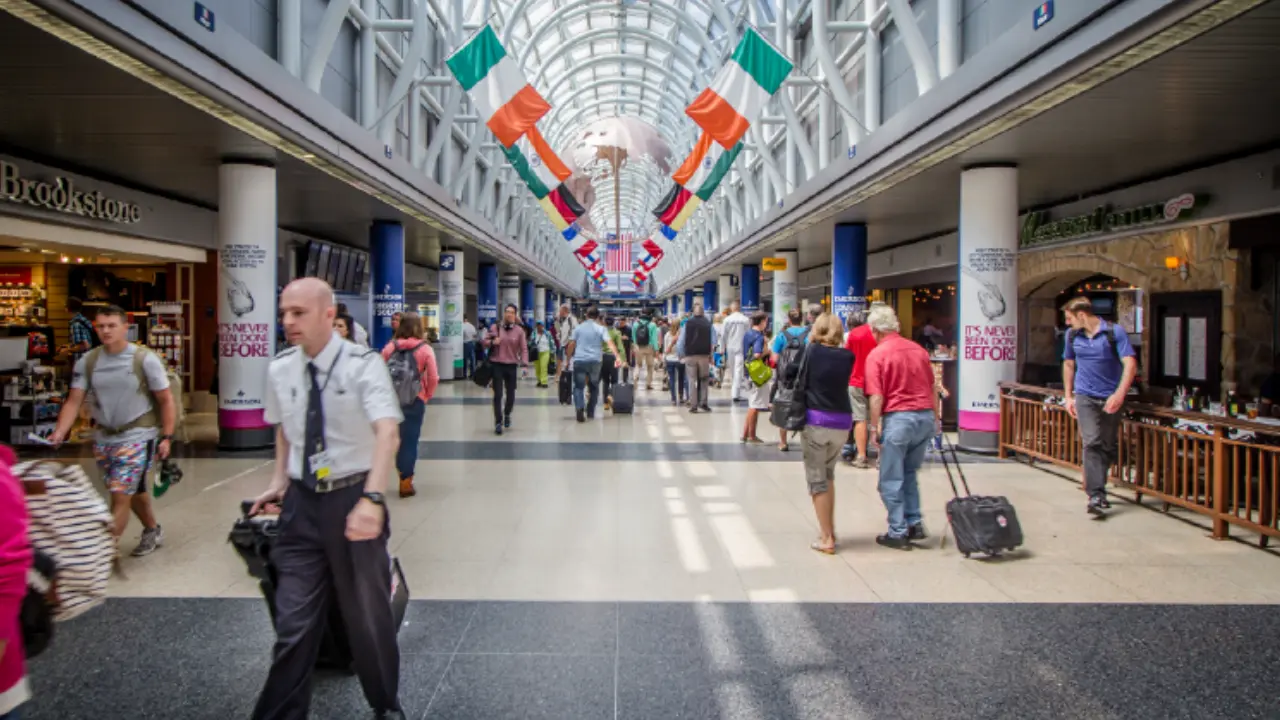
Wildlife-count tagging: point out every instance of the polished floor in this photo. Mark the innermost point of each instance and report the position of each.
(651, 566)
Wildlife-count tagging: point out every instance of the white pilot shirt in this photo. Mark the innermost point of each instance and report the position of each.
(359, 394)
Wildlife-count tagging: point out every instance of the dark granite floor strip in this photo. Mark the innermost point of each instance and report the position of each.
(207, 658)
(647, 451)
(655, 399)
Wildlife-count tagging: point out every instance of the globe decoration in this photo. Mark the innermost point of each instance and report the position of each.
(611, 159)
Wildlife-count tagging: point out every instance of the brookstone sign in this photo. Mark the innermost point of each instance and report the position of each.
(61, 195)
(1039, 229)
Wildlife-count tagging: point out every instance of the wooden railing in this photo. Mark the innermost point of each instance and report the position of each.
(1227, 469)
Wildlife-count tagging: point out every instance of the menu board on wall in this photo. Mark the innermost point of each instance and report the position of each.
(1197, 349)
(1172, 346)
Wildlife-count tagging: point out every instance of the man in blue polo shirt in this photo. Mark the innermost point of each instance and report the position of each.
(1097, 369)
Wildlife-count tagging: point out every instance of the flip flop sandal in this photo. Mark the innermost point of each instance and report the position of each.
(818, 547)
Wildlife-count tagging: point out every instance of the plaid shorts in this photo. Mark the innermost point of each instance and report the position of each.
(124, 465)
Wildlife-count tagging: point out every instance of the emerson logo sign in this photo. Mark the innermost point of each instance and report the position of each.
(61, 195)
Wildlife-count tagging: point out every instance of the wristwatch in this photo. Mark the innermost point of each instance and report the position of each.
(376, 498)
(166, 437)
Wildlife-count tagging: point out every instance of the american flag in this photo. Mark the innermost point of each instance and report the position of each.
(617, 254)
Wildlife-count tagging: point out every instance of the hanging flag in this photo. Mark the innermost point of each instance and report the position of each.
(532, 180)
(503, 97)
(653, 255)
(548, 162)
(671, 205)
(617, 258)
(717, 173)
(668, 233)
(739, 92)
(677, 223)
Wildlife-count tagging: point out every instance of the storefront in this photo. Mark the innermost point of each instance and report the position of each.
(65, 236)
(1161, 261)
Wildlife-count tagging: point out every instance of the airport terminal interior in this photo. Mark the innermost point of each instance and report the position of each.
(1057, 225)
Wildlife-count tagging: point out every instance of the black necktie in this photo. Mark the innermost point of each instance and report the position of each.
(314, 441)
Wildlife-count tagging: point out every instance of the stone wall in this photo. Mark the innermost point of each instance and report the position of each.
(1140, 260)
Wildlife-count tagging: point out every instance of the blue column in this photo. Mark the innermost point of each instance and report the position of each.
(487, 293)
(386, 248)
(709, 298)
(526, 300)
(552, 309)
(750, 287)
(673, 308)
(688, 300)
(849, 269)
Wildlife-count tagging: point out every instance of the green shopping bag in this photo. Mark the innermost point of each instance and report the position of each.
(759, 371)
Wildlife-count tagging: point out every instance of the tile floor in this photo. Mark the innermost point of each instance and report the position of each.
(652, 528)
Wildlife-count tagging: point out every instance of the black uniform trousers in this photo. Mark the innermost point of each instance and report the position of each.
(315, 562)
(504, 381)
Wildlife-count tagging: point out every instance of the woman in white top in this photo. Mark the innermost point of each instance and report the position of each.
(675, 369)
(542, 347)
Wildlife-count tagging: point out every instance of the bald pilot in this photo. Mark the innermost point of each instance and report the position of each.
(337, 423)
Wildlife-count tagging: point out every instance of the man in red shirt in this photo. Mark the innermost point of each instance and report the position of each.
(900, 389)
(860, 341)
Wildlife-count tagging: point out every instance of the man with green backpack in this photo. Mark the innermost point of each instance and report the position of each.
(136, 413)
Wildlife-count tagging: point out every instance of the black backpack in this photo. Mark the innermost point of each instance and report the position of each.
(642, 335)
(406, 376)
(788, 368)
(1110, 332)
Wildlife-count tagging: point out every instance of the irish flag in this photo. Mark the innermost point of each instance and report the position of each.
(740, 90)
(503, 98)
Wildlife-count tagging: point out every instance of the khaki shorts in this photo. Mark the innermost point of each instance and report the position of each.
(858, 399)
(821, 450)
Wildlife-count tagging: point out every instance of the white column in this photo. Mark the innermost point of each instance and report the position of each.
(453, 303)
(540, 304)
(246, 302)
(289, 35)
(785, 287)
(367, 89)
(987, 293)
(726, 291)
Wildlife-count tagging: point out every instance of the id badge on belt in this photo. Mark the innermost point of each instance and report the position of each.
(321, 464)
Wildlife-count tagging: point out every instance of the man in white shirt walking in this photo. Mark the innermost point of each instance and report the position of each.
(566, 323)
(735, 330)
(337, 421)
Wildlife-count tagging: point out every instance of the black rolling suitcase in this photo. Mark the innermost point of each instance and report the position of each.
(981, 523)
(624, 395)
(566, 387)
(253, 538)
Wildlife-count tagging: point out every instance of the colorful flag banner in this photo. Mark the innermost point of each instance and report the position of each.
(739, 92)
(502, 96)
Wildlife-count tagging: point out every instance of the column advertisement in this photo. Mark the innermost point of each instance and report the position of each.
(750, 287)
(246, 302)
(849, 270)
(527, 295)
(987, 331)
(452, 302)
(386, 250)
(487, 294)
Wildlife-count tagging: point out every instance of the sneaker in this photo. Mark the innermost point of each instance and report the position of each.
(581, 415)
(506, 423)
(916, 533)
(1096, 506)
(1103, 502)
(152, 539)
(706, 408)
(896, 543)
(497, 429)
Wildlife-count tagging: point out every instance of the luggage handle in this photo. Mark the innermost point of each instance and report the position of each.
(947, 466)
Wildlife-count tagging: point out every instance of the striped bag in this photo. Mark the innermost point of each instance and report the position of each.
(70, 523)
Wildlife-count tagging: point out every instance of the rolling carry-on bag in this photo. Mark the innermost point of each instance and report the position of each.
(254, 537)
(984, 524)
(624, 394)
(566, 387)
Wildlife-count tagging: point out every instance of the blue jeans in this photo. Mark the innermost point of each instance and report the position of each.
(468, 359)
(677, 380)
(586, 379)
(410, 431)
(902, 448)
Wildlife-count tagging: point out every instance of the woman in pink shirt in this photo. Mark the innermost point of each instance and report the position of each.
(15, 559)
(409, 337)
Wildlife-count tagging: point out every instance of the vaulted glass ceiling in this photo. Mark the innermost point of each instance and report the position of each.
(646, 59)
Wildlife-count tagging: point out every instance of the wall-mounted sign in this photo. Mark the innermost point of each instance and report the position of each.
(61, 195)
(1042, 15)
(1039, 229)
(205, 18)
(774, 264)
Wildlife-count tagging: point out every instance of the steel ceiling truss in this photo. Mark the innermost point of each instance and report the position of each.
(647, 60)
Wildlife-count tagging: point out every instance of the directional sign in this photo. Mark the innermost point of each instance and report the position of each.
(774, 264)
(205, 17)
(1042, 15)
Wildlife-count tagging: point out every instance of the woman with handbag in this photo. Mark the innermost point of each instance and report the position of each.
(824, 385)
(755, 348)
